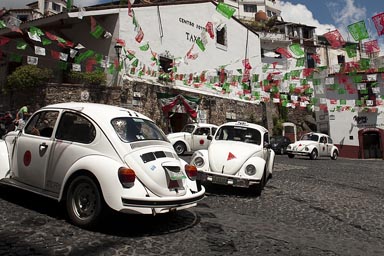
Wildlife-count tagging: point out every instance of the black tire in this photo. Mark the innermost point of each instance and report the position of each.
(334, 155)
(259, 188)
(179, 148)
(85, 204)
(291, 155)
(313, 154)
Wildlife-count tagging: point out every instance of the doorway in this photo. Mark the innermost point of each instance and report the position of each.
(372, 145)
(177, 121)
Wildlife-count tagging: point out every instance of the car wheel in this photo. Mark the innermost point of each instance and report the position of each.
(261, 186)
(84, 203)
(291, 155)
(313, 154)
(334, 155)
(179, 148)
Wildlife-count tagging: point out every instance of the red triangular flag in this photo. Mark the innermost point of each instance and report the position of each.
(230, 156)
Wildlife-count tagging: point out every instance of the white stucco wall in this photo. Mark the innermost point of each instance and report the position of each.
(180, 26)
(345, 124)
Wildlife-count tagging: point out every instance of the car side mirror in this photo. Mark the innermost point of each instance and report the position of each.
(209, 137)
(267, 145)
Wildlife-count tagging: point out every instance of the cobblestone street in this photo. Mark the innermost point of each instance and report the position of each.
(319, 207)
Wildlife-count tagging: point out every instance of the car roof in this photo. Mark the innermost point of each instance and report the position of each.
(203, 125)
(246, 124)
(98, 112)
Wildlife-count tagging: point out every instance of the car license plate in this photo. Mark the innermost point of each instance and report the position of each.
(176, 175)
(219, 180)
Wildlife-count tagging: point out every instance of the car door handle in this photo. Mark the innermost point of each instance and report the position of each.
(43, 146)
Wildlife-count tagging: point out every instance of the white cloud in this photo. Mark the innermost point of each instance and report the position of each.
(289, 13)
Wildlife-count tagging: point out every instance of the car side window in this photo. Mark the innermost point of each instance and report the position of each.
(42, 124)
(76, 128)
(323, 140)
(202, 131)
(330, 140)
(266, 138)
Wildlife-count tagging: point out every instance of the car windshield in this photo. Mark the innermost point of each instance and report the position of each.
(276, 139)
(131, 129)
(239, 133)
(310, 136)
(188, 128)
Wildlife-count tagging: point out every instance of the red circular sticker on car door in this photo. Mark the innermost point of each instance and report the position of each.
(201, 142)
(27, 157)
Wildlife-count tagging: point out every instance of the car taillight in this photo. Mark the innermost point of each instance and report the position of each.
(127, 177)
(191, 171)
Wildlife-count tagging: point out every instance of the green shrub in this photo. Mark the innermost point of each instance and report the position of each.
(95, 77)
(28, 76)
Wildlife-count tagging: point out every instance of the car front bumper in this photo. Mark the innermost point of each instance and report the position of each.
(299, 153)
(228, 180)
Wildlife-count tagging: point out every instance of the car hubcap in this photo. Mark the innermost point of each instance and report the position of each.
(84, 201)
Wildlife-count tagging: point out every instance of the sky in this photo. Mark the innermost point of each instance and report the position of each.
(325, 15)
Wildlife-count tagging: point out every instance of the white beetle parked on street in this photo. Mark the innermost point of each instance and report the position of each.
(94, 157)
(239, 155)
(314, 145)
(192, 137)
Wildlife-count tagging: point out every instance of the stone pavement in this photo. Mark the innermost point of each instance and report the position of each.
(320, 207)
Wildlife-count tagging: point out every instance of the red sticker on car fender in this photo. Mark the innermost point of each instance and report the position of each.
(230, 156)
(27, 158)
(201, 142)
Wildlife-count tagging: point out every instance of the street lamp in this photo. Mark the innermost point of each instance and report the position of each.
(118, 48)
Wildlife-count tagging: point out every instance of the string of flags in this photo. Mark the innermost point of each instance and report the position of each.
(290, 89)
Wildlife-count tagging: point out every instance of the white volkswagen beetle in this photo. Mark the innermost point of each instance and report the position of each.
(239, 155)
(94, 156)
(313, 144)
(192, 137)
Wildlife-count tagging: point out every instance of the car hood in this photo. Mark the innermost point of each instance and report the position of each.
(303, 143)
(154, 166)
(228, 157)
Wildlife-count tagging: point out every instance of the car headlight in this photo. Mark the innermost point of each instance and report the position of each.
(199, 161)
(250, 169)
(306, 149)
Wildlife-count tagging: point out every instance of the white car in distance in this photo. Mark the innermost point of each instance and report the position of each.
(192, 137)
(313, 145)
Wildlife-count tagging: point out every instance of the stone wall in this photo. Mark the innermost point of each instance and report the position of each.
(138, 96)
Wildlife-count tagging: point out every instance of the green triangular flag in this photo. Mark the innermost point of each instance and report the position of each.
(144, 47)
(21, 45)
(300, 62)
(296, 49)
(46, 41)
(15, 57)
(358, 30)
(84, 56)
(36, 31)
(2, 24)
(226, 10)
(200, 44)
(97, 32)
(135, 63)
(63, 65)
(351, 50)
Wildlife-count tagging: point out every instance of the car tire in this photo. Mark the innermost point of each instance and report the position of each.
(259, 188)
(291, 155)
(85, 204)
(334, 155)
(179, 148)
(313, 154)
